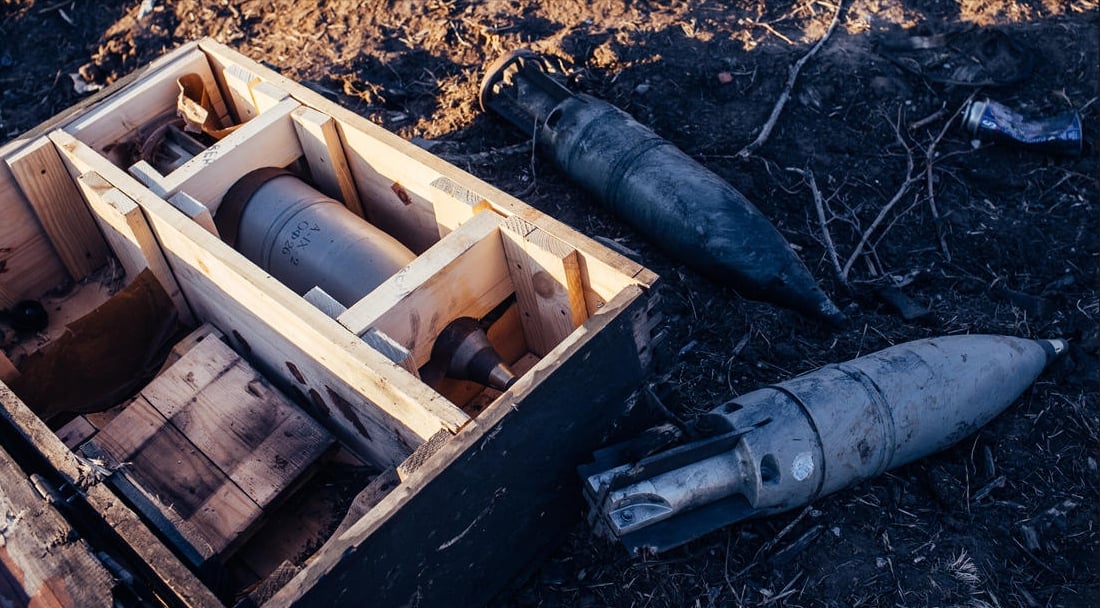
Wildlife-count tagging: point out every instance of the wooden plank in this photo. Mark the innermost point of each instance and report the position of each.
(124, 226)
(382, 416)
(212, 443)
(129, 109)
(238, 85)
(237, 419)
(194, 494)
(266, 96)
(180, 348)
(195, 210)
(149, 177)
(281, 460)
(42, 561)
(28, 264)
(454, 204)
(546, 274)
(324, 152)
(202, 364)
(389, 182)
(406, 550)
(464, 274)
(392, 349)
(168, 576)
(76, 431)
(59, 207)
(324, 302)
(268, 140)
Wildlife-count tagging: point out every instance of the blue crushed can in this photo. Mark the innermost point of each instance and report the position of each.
(988, 119)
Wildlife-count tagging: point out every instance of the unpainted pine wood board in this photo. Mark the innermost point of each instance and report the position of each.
(59, 207)
(506, 335)
(454, 204)
(546, 275)
(392, 349)
(28, 264)
(40, 552)
(173, 579)
(464, 274)
(383, 416)
(227, 517)
(129, 109)
(100, 420)
(194, 209)
(131, 429)
(149, 177)
(266, 95)
(392, 200)
(131, 239)
(238, 85)
(268, 140)
(88, 103)
(407, 550)
(606, 272)
(324, 152)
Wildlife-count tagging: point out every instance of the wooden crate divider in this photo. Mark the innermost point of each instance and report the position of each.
(59, 207)
(464, 274)
(549, 287)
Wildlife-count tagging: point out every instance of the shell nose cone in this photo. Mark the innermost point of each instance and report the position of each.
(1054, 348)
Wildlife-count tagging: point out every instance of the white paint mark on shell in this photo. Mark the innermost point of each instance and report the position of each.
(802, 466)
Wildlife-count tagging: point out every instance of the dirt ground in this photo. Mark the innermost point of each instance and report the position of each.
(989, 239)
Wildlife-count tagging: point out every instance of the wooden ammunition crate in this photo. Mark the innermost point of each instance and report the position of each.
(452, 491)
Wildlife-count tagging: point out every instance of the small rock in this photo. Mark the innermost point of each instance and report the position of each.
(642, 89)
(724, 77)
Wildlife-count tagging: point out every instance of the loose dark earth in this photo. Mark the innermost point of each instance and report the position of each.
(989, 239)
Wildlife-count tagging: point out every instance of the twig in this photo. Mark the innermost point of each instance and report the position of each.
(771, 29)
(534, 178)
(819, 204)
(931, 118)
(785, 96)
(929, 161)
(768, 546)
(910, 179)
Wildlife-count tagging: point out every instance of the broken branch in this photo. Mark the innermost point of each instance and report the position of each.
(910, 179)
(785, 96)
(819, 205)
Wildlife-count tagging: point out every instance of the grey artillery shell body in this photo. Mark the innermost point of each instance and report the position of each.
(823, 431)
(306, 239)
(683, 207)
(675, 201)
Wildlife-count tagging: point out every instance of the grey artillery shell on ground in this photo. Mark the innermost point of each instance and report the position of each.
(783, 446)
(666, 195)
